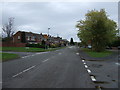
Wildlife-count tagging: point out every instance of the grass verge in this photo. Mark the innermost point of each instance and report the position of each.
(97, 54)
(7, 56)
(24, 49)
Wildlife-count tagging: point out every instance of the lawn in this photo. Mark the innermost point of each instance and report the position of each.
(7, 56)
(97, 54)
(24, 49)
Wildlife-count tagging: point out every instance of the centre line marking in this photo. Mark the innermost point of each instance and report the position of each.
(25, 56)
(33, 55)
(45, 60)
(86, 66)
(60, 53)
(93, 78)
(41, 52)
(24, 71)
(84, 63)
(77, 53)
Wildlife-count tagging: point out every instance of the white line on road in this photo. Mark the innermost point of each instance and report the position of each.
(83, 60)
(41, 52)
(25, 56)
(77, 53)
(45, 60)
(117, 63)
(24, 71)
(33, 55)
(86, 66)
(59, 53)
(84, 63)
(89, 71)
(93, 78)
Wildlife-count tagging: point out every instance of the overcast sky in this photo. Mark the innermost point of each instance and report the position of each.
(60, 17)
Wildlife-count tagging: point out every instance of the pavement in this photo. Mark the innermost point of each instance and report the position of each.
(54, 69)
(105, 69)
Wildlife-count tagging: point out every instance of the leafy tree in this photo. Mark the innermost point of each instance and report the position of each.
(97, 29)
(71, 41)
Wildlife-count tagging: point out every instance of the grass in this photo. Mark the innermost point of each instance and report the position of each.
(97, 54)
(24, 49)
(7, 56)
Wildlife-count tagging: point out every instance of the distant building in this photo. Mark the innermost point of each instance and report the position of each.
(34, 38)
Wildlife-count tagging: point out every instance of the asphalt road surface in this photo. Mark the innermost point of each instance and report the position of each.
(56, 69)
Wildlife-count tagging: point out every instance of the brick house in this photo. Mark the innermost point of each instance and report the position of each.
(33, 38)
(27, 37)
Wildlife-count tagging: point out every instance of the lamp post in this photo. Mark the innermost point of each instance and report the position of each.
(48, 37)
(48, 31)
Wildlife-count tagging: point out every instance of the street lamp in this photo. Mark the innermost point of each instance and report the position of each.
(48, 30)
(48, 37)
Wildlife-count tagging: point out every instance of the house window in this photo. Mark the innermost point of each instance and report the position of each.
(18, 37)
(28, 38)
(33, 38)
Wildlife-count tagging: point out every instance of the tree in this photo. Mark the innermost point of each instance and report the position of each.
(71, 41)
(97, 29)
(8, 28)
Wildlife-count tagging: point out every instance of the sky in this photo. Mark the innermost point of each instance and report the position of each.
(60, 17)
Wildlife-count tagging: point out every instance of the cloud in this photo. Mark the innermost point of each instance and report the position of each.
(60, 17)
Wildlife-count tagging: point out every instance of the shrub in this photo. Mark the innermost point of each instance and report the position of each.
(35, 45)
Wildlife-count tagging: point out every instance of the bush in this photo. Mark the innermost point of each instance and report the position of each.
(35, 45)
(55, 45)
(115, 43)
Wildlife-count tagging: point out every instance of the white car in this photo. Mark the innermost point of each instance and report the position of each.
(89, 46)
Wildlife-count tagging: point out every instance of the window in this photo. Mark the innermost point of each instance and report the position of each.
(33, 38)
(28, 38)
(18, 37)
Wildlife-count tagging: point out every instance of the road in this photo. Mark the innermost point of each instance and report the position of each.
(56, 69)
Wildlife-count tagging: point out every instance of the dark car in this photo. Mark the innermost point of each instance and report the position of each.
(118, 47)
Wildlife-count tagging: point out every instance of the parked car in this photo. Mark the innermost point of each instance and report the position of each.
(108, 47)
(118, 47)
(89, 46)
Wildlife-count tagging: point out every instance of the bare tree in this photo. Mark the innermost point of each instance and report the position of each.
(8, 28)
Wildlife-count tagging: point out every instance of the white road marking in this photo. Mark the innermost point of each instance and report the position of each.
(83, 60)
(45, 60)
(25, 56)
(86, 66)
(89, 71)
(60, 53)
(24, 71)
(93, 78)
(77, 53)
(99, 88)
(33, 55)
(117, 63)
(41, 52)
(84, 63)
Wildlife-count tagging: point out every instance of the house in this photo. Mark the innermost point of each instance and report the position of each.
(34, 38)
(27, 37)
